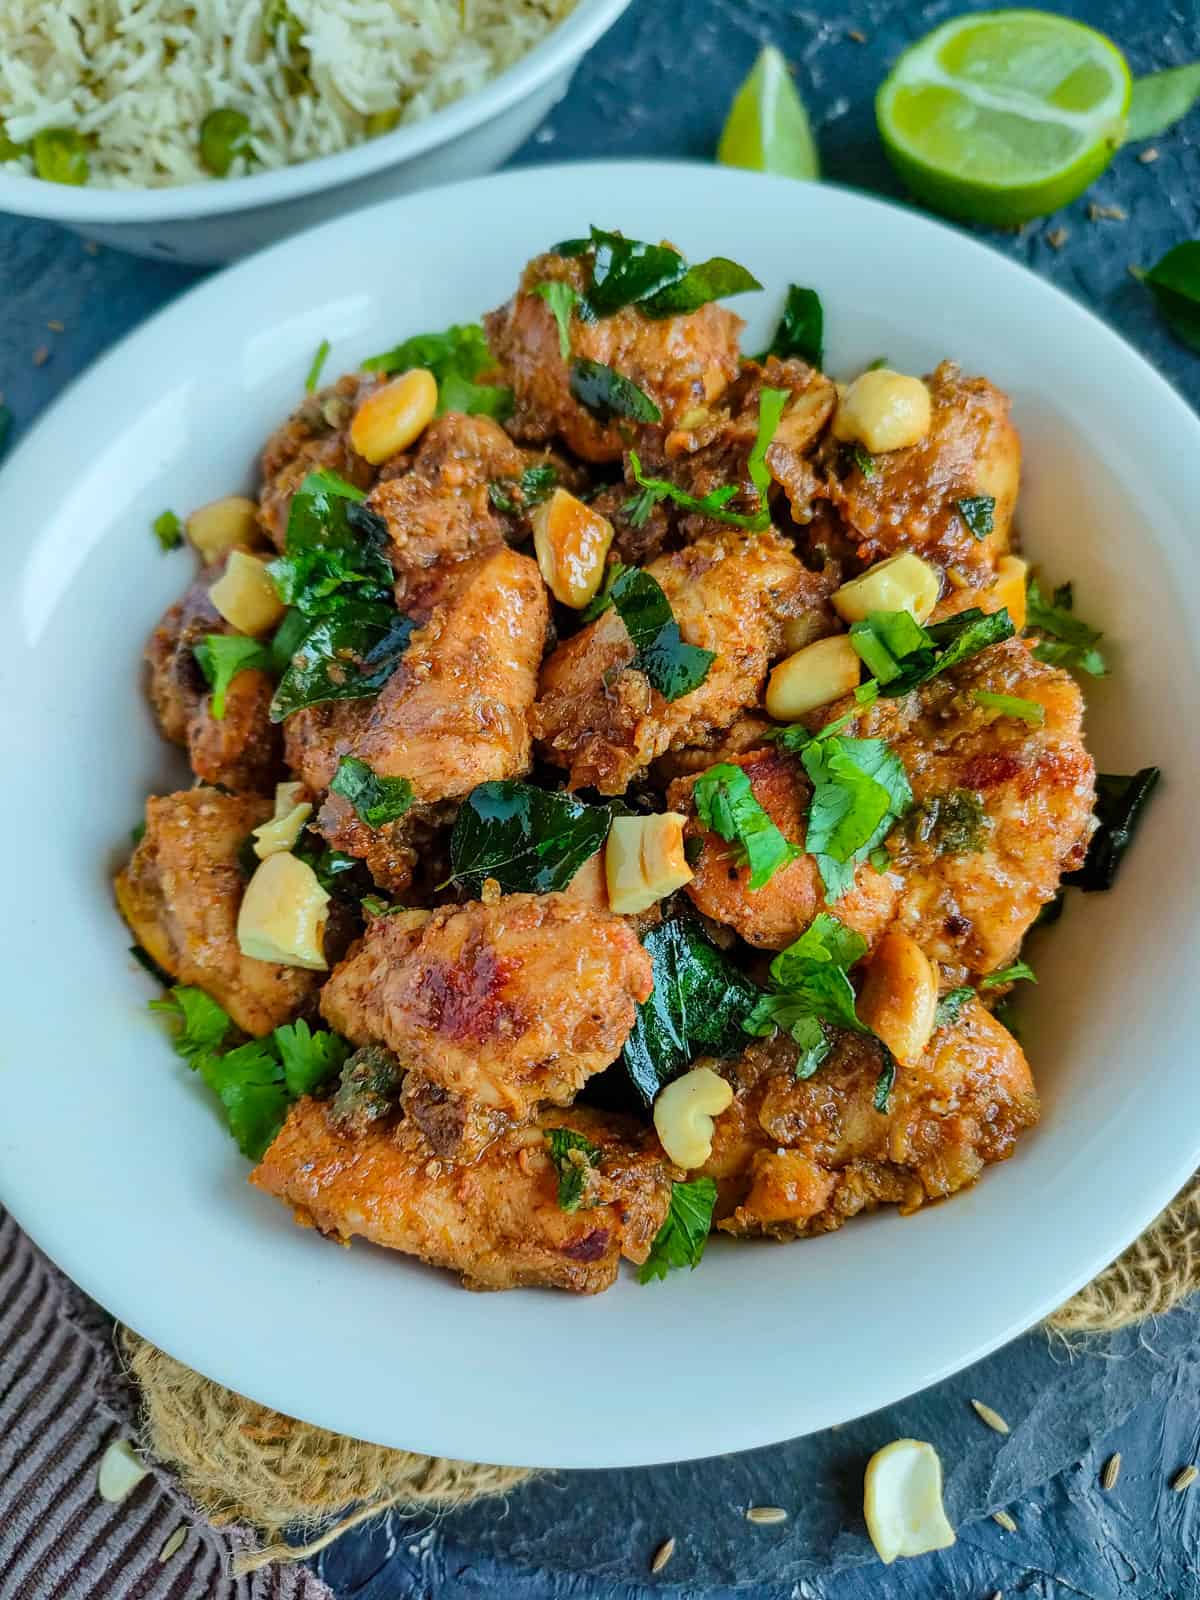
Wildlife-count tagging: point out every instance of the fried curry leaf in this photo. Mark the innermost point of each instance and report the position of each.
(697, 1004)
(334, 547)
(1175, 284)
(812, 991)
(530, 840)
(515, 495)
(978, 511)
(1063, 639)
(348, 655)
(714, 279)
(801, 329)
(572, 1174)
(458, 358)
(376, 800)
(953, 823)
(726, 803)
(681, 1239)
(672, 667)
(1120, 805)
(221, 656)
(653, 277)
(607, 394)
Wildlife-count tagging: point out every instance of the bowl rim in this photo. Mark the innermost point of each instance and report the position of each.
(562, 47)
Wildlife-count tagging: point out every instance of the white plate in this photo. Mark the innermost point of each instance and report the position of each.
(112, 1156)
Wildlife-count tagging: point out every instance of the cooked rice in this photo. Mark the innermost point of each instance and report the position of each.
(137, 78)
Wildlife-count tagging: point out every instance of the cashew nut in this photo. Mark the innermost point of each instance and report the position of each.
(684, 1112)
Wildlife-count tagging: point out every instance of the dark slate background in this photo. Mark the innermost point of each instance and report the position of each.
(658, 85)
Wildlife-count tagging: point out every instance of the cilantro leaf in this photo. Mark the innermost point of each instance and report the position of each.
(314, 371)
(515, 495)
(1014, 974)
(770, 409)
(457, 358)
(1011, 705)
(949, 1007)
(860, 789)
(812, 991)
(377, 800)
(247, 1083)
(572, 1174)
(308, 1058)
(711, 504)
(978, 512)
(801, 329)
(672, 667)
(562, 300)
(334, 545)
(202, 1023)
(531, 840)
(902, 654)
(726, 803)
(681, 1239)
(1063, 639)
(221, 656)
(885, 1081)
(168, 530)
(608, 394)
(1120, 805)
(348, 655)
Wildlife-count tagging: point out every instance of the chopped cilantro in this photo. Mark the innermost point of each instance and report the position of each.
(221, 656)
(202, 1023)
(458, 358)
(335, 548)
(860, 790)
(1014, 974)
(1062, 639)
(949, 1007)
(562, 300)
(885, 1082)
(308, 1058)
(681, 1239)
(902, 654)
(515, 495)
(602, 599)
(377, 800)
(952, 824)
(812, 991)
(314, 371)
(1011, 705)
(863, 460)
(565, 1145)
(726, 803)
(168, 530)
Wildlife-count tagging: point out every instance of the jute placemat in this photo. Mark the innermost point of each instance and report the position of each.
(240, 1461)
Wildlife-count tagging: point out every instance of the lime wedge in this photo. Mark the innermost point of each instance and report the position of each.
(999, 116)
(767, 126)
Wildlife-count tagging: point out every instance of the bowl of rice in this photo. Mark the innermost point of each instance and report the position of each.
(198, 130)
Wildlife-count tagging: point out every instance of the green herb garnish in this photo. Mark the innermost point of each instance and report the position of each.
(673, 667)
(1175, 284)
(224, 136)
(714, 279)
(885, 1082)
(653, 277)
(902, 654)
(168, 530)
(1011, 705)
(681, 1239)
(726, 803)
(812, 991)
(978, 512)
(221, 656)
(60, 156)
(953, 824)
(562, 300)
(607, 394)
(1014, 974)
(770, 409)
(348, 655)
(530, 840)
(860, 790)
(457, 358)
(949, 1007)
(801, 329)
(863, 460)
(1065, 641)
(572, 1173)
(376, 800)
(515, 495)
(334, 548)
(1120, 805)
(318, 362)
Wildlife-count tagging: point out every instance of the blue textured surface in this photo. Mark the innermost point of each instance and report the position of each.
(658, 85)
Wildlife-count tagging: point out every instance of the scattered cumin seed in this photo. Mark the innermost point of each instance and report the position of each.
(40, 356)
(1057, 237)
(1099, 213)
(56, 326)
(993, 1418)
(766, 1514)
(857, 35)
(174, 1542)
(1005, 1521)
(1112, 1471)
(1185, 1478)
(1147, 156)
(663, 1554)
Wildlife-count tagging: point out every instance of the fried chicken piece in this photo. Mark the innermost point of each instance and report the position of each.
(731, 593)
(498, 1222)
(240, 750)
(453, 715)
(315, 438)
(504, 1005)
(776, 914)
(910, 498)
(180, 895)
(680, 362)
(440, 510)
(1001, 809)
(797, 1157)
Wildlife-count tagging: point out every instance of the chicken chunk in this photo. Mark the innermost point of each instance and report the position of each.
(776, 914)
(315, 438)
(731, 593)
(441, 510)
(1001, 808)
(795, 1157)
(498, 1222)
(453, 715)
(503, 1005)
(180, 895)
(680, 362)
(910, 499)
(240, 750)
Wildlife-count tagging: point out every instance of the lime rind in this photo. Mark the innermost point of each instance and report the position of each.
(767, 129)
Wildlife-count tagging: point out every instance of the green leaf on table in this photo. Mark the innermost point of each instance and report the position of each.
(1175, 284)
(726, 803)
(1159, 100)
(221, 656)
(376, 800)
(530, 840)
(681, 1239)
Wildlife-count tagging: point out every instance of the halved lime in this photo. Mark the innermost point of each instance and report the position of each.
(767, 126)
(999, 116)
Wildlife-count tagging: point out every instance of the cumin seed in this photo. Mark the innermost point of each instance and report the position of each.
(993, 1418)
(40, 356)
(857, 35)
(766, 1514)
(663, 1554)
(1112, 1471)
(1185, 1478)
(173, 1543)
(1005, 1521)
(1057, 237)
(1099, 213)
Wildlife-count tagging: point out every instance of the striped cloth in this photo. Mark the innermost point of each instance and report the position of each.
(63, 1400)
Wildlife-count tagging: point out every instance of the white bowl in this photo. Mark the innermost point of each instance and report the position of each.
(224, 219)
(111, 1154)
